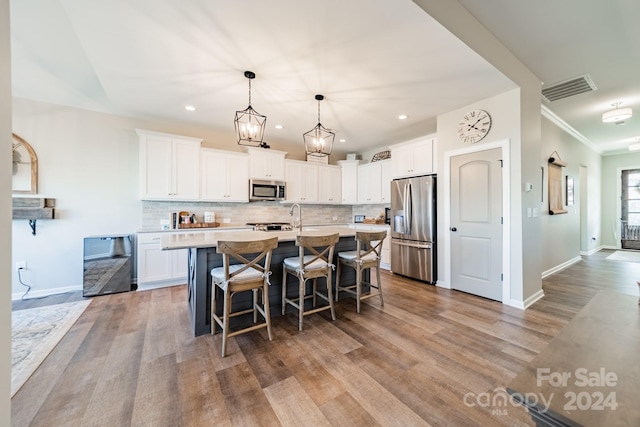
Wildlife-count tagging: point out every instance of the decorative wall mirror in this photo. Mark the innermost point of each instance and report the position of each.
(25, 167)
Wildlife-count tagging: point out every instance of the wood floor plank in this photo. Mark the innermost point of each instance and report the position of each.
(154, 400)
(118, 378)
(344, 410)
(293, 406)
(245, 400)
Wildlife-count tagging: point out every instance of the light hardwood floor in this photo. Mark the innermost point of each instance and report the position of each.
(132, 360)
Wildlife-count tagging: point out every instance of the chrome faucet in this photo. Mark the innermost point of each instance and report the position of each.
(299, 226)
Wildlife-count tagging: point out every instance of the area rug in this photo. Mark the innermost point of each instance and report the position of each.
(35, 332)
(630, 256)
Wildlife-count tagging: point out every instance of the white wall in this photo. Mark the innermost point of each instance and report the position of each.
(611, 168)
(5, 214)
(561, 233)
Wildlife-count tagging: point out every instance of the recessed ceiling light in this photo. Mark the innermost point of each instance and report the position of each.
(343, 140)
(634, 147)
(403, 117)
(190, 108)
(278, 126)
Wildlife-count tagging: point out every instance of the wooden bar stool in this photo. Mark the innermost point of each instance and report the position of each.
(318, 262)
(366, 255)
(249, 275)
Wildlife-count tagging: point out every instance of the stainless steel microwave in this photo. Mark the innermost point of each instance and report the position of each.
(261, 190)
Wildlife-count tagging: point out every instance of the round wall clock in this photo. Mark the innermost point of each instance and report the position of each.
(474, 126)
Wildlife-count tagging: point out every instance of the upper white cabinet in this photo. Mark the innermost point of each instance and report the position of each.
(349, 181)
(266, 164)
(374, 182)
(329, 184)
(413, 158)
(168, 166)
(224, 176)
(386, 176)
(302, 181)
(369, 183)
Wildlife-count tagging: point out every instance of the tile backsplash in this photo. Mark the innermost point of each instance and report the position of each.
(241, 213)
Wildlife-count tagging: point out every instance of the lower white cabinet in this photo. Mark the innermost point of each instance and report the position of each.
(158, 268)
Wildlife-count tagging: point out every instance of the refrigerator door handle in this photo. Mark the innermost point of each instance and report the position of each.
(408, 200)
(411, 245)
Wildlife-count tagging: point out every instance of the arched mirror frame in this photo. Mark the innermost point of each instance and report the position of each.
(18, 142)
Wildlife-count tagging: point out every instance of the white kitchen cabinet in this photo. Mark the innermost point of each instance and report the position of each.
(369, 183)
(413, 158)
(224, 176)
(349, 181)
(329, 184)
(302, 181)
(158, 268)
(386, 176)
(266, 164)
(169, 166)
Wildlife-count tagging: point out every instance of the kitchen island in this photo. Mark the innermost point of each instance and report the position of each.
(203, 257)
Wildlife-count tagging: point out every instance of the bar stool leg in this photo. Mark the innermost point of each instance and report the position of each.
(225, 321)
(358, 287)
(284, 290)
(379, 286)
(338, 279)
(301, 288)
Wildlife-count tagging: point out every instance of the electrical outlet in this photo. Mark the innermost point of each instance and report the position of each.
(21, 264)
(226, 220)
(335, 218)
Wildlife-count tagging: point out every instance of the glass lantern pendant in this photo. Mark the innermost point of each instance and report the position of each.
(319, 140)
(249, 123)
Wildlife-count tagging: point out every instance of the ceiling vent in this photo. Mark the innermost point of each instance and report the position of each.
(567, 88)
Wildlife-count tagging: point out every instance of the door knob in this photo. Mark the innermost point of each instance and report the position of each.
(453, 229)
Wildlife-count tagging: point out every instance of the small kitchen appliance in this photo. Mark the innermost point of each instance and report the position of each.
(271, 226)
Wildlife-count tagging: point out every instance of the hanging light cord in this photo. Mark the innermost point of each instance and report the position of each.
(22, 283)
(249, 92)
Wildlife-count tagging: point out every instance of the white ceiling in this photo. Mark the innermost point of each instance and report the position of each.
(371, 59)
(558, 40)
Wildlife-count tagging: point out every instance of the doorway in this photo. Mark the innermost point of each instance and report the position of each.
(630, 209)
(476, 223)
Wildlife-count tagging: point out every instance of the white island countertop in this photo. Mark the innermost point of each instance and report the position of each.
(209, 239)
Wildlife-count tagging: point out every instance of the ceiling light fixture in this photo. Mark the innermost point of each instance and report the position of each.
(634, 147)
(190, 108)
(319, 141)
(617, 114)
(402, 117)
(249, 123)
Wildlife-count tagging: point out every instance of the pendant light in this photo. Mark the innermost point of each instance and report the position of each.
(617, 115)
(249, 123)
(319, 141)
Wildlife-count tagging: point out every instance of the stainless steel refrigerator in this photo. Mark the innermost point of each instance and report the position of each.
(413, 227)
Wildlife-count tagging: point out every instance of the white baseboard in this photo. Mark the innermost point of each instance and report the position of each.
(44, 292)
(560, 267)
(523, 305)
(442, 284)
(594, 250)
(609, 247)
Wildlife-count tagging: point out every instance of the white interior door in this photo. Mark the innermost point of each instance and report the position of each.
(476, 223)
